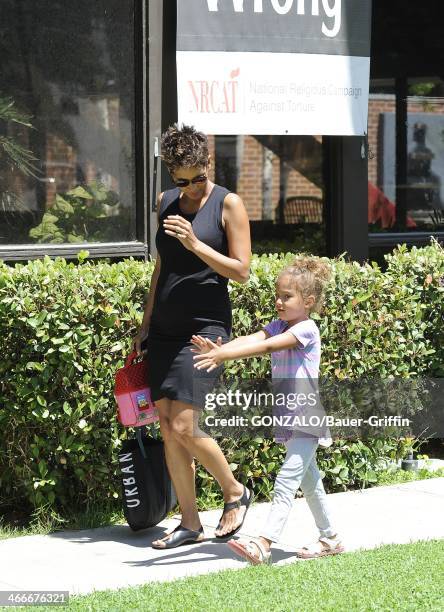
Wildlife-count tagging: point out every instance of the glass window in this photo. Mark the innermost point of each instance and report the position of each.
(67, 121)
(280, 181)
(406, 118)
(406, 165)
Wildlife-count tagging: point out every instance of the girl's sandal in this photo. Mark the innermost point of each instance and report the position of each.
(321, 548)
(249, 549)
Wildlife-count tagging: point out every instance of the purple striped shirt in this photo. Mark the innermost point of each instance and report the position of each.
(301, 361)
(300, 365)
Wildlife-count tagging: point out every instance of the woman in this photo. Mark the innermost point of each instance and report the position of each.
(203, 239)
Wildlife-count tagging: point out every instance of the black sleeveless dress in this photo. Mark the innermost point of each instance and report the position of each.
(190, 298)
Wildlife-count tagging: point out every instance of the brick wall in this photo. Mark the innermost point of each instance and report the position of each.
(249, 186)
(61, 161)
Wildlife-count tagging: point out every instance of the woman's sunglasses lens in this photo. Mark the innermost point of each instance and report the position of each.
(186, 182)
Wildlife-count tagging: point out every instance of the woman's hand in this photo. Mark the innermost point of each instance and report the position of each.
(210, 357)
(178, 227)
(137, 342)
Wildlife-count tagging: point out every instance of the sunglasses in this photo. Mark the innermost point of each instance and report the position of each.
(195, 181)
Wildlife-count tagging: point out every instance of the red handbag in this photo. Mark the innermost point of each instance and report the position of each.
(132, 393)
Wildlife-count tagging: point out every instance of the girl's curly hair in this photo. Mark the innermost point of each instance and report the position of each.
(310, 276)
(184, 147)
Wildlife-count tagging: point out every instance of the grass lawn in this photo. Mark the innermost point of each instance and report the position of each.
(395, 577)
(391, 477)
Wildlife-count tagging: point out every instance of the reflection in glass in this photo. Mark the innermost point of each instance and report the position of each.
(423, 185)
(406, 181)
(68, 69)
(280, 180)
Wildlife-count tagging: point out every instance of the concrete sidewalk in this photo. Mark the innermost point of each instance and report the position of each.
(115, 557)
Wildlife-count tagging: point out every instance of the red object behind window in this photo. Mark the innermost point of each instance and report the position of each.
(381, 209)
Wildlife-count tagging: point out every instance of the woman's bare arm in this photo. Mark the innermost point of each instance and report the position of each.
(150, 299)
(154, 278)
(144, 327)
(237, 227)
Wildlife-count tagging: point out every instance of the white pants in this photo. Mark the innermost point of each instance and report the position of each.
(298, 470)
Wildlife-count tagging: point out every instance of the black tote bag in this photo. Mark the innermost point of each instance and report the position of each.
(147, 490)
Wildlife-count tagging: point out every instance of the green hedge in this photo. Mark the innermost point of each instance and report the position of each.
(65, 329)
(425, 270)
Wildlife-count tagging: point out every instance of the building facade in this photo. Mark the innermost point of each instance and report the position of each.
(87, 88)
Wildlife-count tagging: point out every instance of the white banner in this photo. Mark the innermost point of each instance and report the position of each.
(274, 66)
(244, 93)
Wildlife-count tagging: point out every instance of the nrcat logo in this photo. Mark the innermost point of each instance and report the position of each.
(216, 96)
(331, 9)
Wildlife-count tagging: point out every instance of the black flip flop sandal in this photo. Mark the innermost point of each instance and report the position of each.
(181, 535)
(242, 501)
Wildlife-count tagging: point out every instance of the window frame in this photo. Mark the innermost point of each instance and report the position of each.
(137, 248)
(392, 239)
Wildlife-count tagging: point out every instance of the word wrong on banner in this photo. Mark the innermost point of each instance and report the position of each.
(331, 9)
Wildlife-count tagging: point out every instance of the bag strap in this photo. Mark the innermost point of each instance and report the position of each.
(141, 434)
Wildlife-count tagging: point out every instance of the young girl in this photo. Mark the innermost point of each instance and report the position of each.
(294, 342)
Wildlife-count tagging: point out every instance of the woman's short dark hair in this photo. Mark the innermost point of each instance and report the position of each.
(184, 147)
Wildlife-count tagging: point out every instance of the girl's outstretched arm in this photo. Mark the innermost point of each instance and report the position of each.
(217, 354)
(201, 346)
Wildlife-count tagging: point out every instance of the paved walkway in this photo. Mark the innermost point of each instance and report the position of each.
(115, 557)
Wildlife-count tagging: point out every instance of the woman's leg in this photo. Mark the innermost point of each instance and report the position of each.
(314, 492)
(181, 468)
(184, 424)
